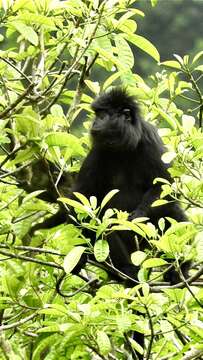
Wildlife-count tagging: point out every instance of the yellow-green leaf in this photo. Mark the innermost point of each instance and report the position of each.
(72, 258)
(101, 250)
(103, 342)
(144, 45)
(154, 263)
(138, 257)
(108, 197)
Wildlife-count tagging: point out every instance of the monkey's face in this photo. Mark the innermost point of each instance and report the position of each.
(117, 124)
(111, 127)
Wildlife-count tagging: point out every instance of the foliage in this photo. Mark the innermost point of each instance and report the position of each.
(174, 26)
(50, 50)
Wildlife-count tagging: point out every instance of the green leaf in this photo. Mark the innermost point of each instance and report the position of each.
(26, 31)
(108, 197)
(154, 2)
(82, 198)
(34, 194)
(145, 289)
(155, 262)
(161, 224)
(38, 19)
(136, 346)
(127, 26)
(170, 120)
(138, 257)
(111, 79)
(93, 86)
(144, 45)
(172, 63)
(101, 250)
(159, 203)
(179, 58)
(103, 342)
(53, 312)
(197, 56)
(125, 54)
(188, 123)
(57, 111)
(167, 330)
(28, 123)
(43, 344)
(62, 139)
(72, 258)
(76, 205)
(199, 68)
(107, 56)
(49, 329)
(168, 156)
(199, 246)
(93, 202)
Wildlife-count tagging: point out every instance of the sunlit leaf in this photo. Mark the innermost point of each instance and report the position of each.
(108, 197)
(197, 56)
(63, 139)
(125, 54)
(171, 63)
(103, 342)
(155, 262)
(26, 31)
(82, 198)
(168, 157)
(144, 45)
(199, 68)
(72, 258)
(101, 250)
(138, 257)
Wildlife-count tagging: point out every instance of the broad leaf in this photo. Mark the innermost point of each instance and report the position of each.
(73, 258)
(144, 45)
(101, 250)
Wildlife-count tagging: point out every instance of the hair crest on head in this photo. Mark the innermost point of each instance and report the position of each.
(114, 98)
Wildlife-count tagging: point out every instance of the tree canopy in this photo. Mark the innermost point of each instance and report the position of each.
(52, 54)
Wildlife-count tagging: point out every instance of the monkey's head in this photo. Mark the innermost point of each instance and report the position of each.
(117, 124)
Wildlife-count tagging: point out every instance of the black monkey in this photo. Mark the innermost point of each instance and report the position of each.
(126, 155)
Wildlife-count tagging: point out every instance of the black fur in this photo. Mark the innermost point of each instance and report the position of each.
(126, 155)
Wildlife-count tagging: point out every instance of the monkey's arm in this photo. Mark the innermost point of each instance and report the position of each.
(59, 218)
(144, 208)
(88, 179)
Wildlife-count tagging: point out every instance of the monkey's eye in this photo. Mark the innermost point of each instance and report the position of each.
(127, 113)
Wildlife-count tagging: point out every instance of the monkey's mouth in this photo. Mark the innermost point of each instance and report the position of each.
(103, 140)
(110, 143)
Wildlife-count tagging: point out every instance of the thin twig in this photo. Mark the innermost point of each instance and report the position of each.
(149, 348)
(32, 249)
(30, 259)
(11, 107)
(15, 171)
(11, 154)
(75, 62)
(18, 323)
(16, 68)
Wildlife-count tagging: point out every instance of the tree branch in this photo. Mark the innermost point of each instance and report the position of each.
(30, 259)
(18, 323)
(11, 107)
